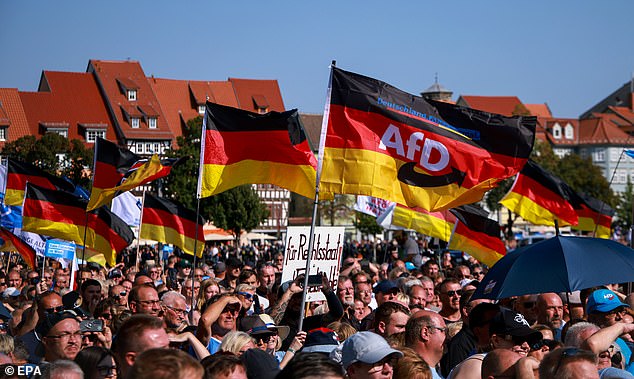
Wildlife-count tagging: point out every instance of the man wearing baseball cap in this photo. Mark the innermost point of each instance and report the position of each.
(604, 308)
(60, 335)
(367, 353)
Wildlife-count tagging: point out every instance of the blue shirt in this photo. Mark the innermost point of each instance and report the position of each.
(213, 345)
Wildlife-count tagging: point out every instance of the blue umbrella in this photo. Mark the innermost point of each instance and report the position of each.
(558, 264)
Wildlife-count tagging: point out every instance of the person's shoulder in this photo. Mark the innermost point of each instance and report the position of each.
(469, 368)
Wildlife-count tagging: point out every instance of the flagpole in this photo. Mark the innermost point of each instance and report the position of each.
(191, 313)
(138, 240)
(596, 224)
(311, 239)
(83, 251)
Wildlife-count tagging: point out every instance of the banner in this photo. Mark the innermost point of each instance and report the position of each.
(326, 255)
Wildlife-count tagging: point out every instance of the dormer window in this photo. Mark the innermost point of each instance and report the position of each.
(3, 133)
(201, 109)
(135, 122)
(557, 131)
(131, 94)
(152, 122)
(569, 131)
(260, 104)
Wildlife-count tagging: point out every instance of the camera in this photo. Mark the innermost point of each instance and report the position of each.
(95, 325)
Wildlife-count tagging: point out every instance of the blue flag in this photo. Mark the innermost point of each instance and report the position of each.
(629, 153)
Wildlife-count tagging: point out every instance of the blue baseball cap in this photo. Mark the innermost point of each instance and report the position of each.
(603, 301)
(385, 286)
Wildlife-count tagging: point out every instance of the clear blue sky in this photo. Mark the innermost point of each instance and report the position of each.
(570, 54)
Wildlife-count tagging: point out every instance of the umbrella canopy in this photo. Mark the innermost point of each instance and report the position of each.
(558, 264)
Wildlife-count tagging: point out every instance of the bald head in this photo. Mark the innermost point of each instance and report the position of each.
(499, 363)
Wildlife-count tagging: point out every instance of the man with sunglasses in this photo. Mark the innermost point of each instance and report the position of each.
(606, 310)
(450, 293)
(218, 319)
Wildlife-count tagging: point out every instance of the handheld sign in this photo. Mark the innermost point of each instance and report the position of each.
(59, 249)
(326, 256)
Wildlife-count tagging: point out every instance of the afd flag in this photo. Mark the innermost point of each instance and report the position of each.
(629, 153)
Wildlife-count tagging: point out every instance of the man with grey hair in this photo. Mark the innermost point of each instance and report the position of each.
(579, 333)
(62, 369)
(175, 310)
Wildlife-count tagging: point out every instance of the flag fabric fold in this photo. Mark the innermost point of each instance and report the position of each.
(19, 173)
(594, 216)
(434, 224)
(540, 197)
(240, 147)
(63, 215)
(169, 222)
(118, 170)
(383, 142)
(477, 235)
(11, 242)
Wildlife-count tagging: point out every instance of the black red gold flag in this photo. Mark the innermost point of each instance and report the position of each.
(540, 197)
(118, 170)
(170, 222)
(477, 235)
(386, 143)
(594, 216)
(19, 173)
(63, 215)
(14, 243)
(240, 147)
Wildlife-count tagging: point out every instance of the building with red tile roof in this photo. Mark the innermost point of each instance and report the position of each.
(13, 121)
(504, 105)
(70, 104)
(259, 96)
(137, 114)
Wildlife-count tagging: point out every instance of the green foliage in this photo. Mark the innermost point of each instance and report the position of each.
(367, 225)
(54, 154)
(337, 209)
(624, 207)
(235, 210)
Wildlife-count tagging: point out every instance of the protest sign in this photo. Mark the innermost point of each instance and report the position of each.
(325, 258)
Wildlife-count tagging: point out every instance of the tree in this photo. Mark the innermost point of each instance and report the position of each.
(624, 208)
(366, 224)
(338, 208)
(235, 210)
(54, 154)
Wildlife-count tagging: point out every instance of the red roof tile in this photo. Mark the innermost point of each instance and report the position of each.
(539, 110)
(599, 131)
(12, 109)
(251, 91)
(109, 74)
(66, 98)
(504, 105)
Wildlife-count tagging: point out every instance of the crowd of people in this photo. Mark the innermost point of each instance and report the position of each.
(407, 314)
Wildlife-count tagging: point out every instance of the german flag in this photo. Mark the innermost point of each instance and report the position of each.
(118, 170)
(63, 215)
(434, 224)
(540, 197)
(19, 173)
(594, 216)
(386, 143)
(170, 222)
(477, 235)
(11, 242)
(240, 147)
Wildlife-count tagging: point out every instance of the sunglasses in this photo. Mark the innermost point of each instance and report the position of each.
(263, 338)
(528, 304)
(233, 308)
(54, 309)
(452, 293)
(246, 295)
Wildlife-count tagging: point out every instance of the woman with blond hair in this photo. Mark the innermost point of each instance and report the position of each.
(411, 366)
(237, 343)
(208, 288)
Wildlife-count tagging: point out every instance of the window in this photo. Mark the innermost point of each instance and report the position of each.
(201, 109)
(614, 155)
(131, 95)
(569, 132)
(157, 148)
(61, 131)
(621, 176)
(134, 121)
(139, 147)
(151, 122)
(3, 134)
(599, 155)
(557, 131)
(92, 135)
